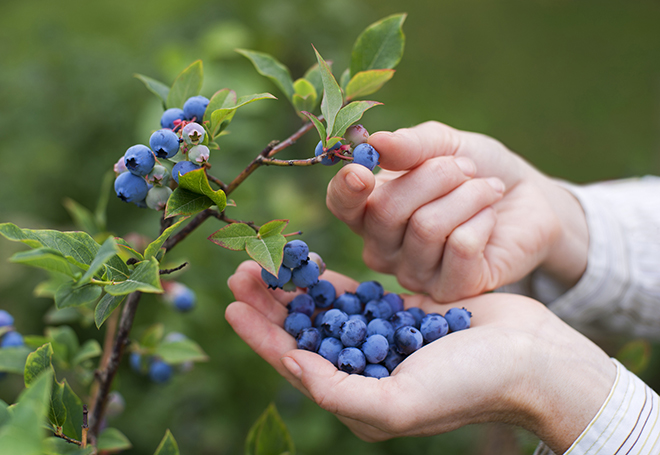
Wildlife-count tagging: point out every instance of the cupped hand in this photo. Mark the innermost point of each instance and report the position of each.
(518, 363)
(454, 214)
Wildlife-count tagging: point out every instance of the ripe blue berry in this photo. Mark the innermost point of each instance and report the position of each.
(402, 319)
(381, 327)
(353, 332)
(274, 282)
(295, 252)
(306, 275)
(359, 317)
(12, 340)
(351, 360)
(296, 322)
(375, 370)
(309, 339)
(182, 297)
(349, 303)
(458, 319)
(332, 322)
(6, 319)
(157, 197)
(384, 309)
(139, 160)
(408, 339)
(130, 187)
(318, 319)
(194, 108)
(170, 116)
(371, 310)
(323, 293)
(136, 362)
(356, 135)
(302, 303)
(369, 290)
(433, 327)
(160, 372)
(366, 155)
(330, 159)
(393, 359)
(395, 301)
(375, 348)
(418, 314)
(183, 167)
(193, 133)
(330, 348)
(164, 143)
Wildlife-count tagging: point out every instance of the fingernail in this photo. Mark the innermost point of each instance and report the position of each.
(292, 366)
(466, 165)
(496, 183)
(354, 183)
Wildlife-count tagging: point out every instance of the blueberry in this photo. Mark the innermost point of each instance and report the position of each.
(353, 332)
(170, 116)
(274, 282)
(135, 361)
(395, 301)
(348, 303)
(318, 319)
(157, 197)
(356, 135)
(183, 167)
(180, 296)
(306, 275)
(366, 155)
(323, 293)
(418, 314)
(332, 322)
(194, 108)
(358, 317)
(6, 319)
(314, 257)
(160, 372)
(330, 348)
(131, 188)
(295, 252)
(199, 154)
(408, 339)
(302, 303)
(401, 319)
(371, 310)
(139, 160)
(330, 159)
(375, 348)
(193, 133)
(458, 319)
(393, 359)
(433, 327)
(381, 327)
(164, 143)
(296, 322)
(384, 309)
(12, 340)
(351, 360)
(159, 175)
(374, 370)
(369, 290)
(309, 339)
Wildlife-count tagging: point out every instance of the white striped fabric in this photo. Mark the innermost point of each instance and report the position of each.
(628, 423)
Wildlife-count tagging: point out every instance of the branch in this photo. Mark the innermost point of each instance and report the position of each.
(175, 269)
(190, 227)
(67, 439)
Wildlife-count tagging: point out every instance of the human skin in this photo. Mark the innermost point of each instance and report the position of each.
(454, 214)
(518, 363)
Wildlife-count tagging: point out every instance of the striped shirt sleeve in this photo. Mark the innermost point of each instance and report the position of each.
(628, 422)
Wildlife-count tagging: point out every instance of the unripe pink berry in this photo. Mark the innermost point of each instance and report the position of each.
(357, 134)
(314, 257)
(199, 154)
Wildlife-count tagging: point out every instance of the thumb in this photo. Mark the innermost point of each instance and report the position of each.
(348, 192)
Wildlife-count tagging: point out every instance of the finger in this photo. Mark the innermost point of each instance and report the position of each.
(347, 194)
(364, 431)
(420, 257)
(407, 148)
(465, 269)
(390, 207)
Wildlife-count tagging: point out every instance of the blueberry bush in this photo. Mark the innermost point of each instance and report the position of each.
(95, 276)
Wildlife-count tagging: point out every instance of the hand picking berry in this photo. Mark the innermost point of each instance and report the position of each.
(366, 155)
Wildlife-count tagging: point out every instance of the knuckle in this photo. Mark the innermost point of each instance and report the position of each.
(465, 243)
(426, 228)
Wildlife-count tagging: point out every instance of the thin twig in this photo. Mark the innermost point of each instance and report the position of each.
(85, 427)
(67, 439)
(110, 330)
(191, 226)
(175, 269)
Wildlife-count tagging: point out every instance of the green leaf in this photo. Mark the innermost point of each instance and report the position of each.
(68, 295)
(117, 269)
(58, 446)
(4, 413)
(89, 350)
(74, 412)
(105, 307)
(380, 46)
(313, 75)
(57, 411)
(154, 246)
(350, 114)
(233, 236)
(108, 250)
(197, 182)
(37, 362)
(221, 98)
(269, 435)
(181, 351)
(268, 246)
(367, 82)
(188, 83)
(344, 79)
(332, 97)
(12, 360)
(113, 440)
(48, 288)
(124, 246)
(44, 258)
(167, 445)
(152, 336)
(268, 66)
(221, 118)
(184, 202)
(159, 89)
(81, 216)
(64, 341)
(305, 97)
(319, 127)
(144, 278)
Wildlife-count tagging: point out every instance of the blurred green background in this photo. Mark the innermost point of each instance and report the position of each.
(574, 87)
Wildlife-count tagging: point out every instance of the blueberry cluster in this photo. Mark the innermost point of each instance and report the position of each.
(156, 368)
(11, 338)
(299, 268)
(356, 136)
(142, 175)
(366, 332)
(179, 296)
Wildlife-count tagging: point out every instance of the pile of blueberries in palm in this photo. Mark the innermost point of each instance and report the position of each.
(366, 332)
(142, 178)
